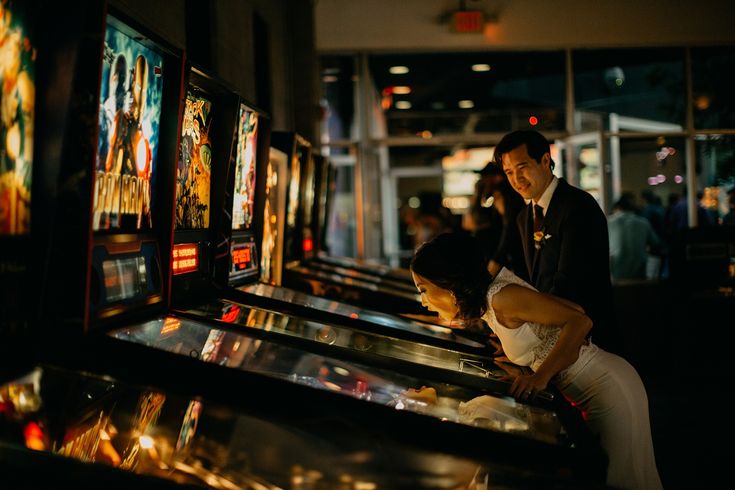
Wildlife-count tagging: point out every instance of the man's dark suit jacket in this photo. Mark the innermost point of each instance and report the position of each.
(574, 261)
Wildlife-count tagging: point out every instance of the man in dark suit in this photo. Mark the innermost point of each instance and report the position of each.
(563, 233)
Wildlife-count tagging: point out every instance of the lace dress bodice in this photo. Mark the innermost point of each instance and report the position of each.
(529, 344)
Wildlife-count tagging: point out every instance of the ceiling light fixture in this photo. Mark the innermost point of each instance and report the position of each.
(466, 104)
(403, 104)
(401, 90)
(481, 67)
(398, 70)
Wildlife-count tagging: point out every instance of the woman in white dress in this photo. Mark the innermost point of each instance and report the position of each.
(546, 334)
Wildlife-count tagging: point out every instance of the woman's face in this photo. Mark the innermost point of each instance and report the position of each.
(436, 299)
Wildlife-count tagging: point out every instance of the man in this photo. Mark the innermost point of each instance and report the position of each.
(563, 233)
(631, 239)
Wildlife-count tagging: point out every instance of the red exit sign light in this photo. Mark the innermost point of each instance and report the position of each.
(468, 21)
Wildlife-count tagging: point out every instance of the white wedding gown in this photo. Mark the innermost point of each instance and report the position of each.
(604, 386)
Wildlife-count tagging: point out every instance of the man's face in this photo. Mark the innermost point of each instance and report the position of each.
(528, 177)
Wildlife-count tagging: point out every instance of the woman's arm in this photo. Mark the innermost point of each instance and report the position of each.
(516, 305)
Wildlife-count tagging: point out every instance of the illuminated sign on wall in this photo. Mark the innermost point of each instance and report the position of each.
(186, 258)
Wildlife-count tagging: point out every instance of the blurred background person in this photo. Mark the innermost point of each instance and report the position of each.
(632, 239)
(432, 218)
(483, 220)
(492, 219)
(729, 218)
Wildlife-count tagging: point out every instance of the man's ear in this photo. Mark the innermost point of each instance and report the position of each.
(546, 160)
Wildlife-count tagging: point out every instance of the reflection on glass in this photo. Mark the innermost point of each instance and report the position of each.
(381, 345)
(273, 217)
(195, 442)
(124, 278)
(712, 93)
(643, 84)
(345, 310)
(716, 179)
(292, 206)
(364, 277)
(653, 166)
(516, 87)
(341, 218)
(240, 351)
(338, 97)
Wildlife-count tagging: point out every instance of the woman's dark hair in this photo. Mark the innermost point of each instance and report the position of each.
(456, 262)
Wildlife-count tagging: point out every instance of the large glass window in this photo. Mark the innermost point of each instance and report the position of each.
(341, 219)
(715, 167)
(713, 96)
(427, 108)
(653, 166)
(465, 93)
(642, 84)
(338, 98)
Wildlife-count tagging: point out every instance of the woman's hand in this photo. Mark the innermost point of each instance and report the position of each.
(511, 369)
(526, 386)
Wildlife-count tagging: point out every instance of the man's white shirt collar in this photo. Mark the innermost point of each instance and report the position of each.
(546, 196)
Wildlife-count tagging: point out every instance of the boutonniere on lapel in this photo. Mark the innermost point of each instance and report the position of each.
(539, 239)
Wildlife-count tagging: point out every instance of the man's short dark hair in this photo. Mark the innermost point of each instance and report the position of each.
(535, 142)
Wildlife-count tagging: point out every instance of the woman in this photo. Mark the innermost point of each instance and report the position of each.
(546, 334)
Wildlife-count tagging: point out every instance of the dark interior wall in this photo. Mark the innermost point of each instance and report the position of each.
(232, 44)
(166, 18)
(222, 37)
(300, 22)
(272, 14)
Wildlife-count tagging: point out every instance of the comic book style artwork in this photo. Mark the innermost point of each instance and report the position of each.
(194, 171)
(17, 103)
(244, 194)
(129, 119)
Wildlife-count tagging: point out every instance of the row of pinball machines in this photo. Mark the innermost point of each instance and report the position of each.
(300, 269)
(135, 357)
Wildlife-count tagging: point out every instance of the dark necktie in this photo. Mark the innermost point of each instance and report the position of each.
(538, 217)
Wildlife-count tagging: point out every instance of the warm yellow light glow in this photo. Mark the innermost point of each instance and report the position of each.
(401, 90)
(403, 104)
(398, 70)
(466, 104)
(146, 442)
(481, 67)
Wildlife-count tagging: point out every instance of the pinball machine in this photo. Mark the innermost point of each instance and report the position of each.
(253, 341)
(106, 311)
(19, 183)
(268, 289)
(265, 334)
(315, 277)
(324, 175)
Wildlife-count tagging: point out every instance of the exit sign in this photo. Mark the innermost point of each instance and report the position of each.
(468, 21)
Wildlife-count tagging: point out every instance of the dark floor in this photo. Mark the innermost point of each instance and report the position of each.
(681, 344)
